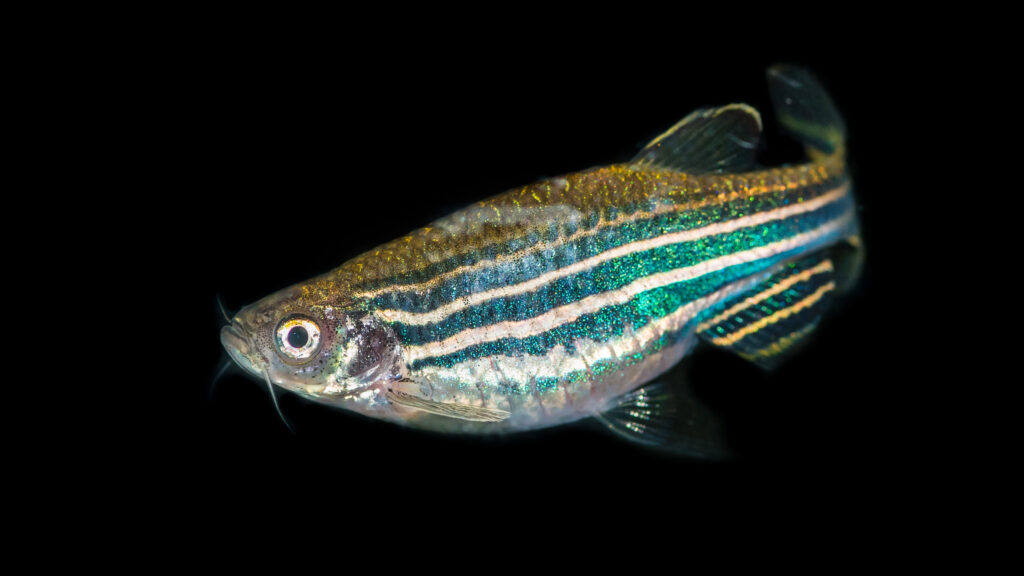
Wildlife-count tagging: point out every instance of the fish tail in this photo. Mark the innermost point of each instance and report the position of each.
(805, 111)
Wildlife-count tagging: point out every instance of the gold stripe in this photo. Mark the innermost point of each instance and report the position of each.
(780, 345)
(825, 266)
(441, 312)
(571, 311)
(780, 315)
(621, 219)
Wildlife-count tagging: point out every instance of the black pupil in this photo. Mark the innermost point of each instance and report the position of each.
(298, 337)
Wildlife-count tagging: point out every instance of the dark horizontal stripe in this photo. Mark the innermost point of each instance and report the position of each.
(518, 269)
(771, 304)
(610, 322)
(617, 273)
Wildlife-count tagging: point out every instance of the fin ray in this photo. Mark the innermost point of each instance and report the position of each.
(805, 110)
(722, 139)
(668, 416)
(765, 324)
(451, 410)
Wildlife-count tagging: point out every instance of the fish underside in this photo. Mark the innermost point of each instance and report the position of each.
(563, 299)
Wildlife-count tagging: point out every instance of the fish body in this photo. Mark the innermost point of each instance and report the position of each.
(558, 300)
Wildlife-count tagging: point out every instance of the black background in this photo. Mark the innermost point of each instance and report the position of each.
(281, 164)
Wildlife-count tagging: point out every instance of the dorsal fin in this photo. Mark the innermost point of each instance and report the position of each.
(722, 139)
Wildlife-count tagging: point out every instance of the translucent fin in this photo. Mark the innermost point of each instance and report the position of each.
(805, 110)
(667, 415)
(460, 411)
(765, 324)
(722, 139)
(848, 258)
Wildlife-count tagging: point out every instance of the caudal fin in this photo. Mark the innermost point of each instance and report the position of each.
(805, 111)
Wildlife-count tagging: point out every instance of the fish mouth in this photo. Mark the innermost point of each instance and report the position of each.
(234, 339)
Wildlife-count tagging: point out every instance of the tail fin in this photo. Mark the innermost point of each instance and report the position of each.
(805, 111)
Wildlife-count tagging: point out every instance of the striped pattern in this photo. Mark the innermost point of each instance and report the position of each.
(822, 268)
(572, 311)
(546, 298)
(547, 278)
(634, 196)
(778, 348)
(583, 206)
(565, 378)
(776, 314)
(631, 271)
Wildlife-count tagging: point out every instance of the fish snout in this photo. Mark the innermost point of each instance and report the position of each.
(234, 339)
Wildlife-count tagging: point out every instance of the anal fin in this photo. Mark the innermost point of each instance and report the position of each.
(767, 323)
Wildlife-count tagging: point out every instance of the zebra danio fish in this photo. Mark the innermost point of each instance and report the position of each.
(564, 299)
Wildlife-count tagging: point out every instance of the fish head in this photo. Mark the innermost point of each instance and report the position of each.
(315, 347)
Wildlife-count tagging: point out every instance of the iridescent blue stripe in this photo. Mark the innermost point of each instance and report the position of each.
(617, 273)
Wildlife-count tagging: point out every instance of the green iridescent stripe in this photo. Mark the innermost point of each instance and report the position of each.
(512, 270)
(616, 273)
(763, 323)
(735, 319)
(610, 321)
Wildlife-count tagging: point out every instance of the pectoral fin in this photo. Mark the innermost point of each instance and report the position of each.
(765, 324)
(460, 411)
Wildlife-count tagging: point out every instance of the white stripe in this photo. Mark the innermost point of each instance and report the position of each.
(558, 362)
(442, 312)
(825, 266)
(660, 209)
(570, 312)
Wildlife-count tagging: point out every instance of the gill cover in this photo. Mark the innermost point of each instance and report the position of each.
(366, 352)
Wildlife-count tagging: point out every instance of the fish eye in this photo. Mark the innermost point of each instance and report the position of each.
(298, 338)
